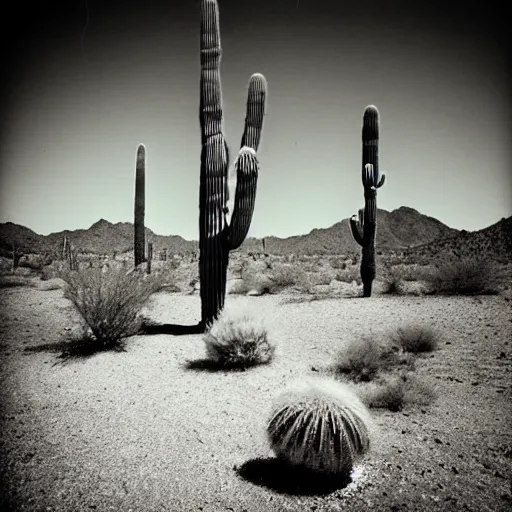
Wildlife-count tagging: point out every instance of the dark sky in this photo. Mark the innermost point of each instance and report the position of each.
(85, 82)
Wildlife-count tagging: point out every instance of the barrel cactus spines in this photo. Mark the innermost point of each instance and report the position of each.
(221, 229)
(139, 210)
(321, 425)
(364, 227)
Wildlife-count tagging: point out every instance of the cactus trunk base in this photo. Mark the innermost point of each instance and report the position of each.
(367, 288)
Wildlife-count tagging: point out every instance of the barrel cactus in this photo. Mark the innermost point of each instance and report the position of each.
(364, 225)
(221, 228)
(139, 210)
(319, 425)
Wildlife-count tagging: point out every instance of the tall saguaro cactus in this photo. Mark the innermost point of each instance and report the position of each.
(221, 229)
(364, 228)
(140, 205)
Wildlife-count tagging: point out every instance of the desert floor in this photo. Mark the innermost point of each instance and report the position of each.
(146, 430)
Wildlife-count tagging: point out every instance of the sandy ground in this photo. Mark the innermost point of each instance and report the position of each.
(138, 430)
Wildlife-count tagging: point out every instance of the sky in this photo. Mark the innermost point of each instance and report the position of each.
(86, 82)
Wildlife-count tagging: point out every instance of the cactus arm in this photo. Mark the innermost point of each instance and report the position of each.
(355, 226)
(246, 167)
(382, 180)
(256, 98)
(139, 209)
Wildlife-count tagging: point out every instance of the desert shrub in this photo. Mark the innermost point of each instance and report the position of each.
(52, 270)
(393, 286)
(463, 276)
(110, 301)
(338, 262)
(165, 276)
(416, 338)
(13, 281)
(388, 393)
(348, 275)
(285, 276)
(362, 359)
(321, 425)
(239, 339)
(394, 392)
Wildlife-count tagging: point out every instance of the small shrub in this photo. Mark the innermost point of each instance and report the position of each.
(349, 275)
(363, 359)
(338, 262)
(285, 276)
(109, 302)
(239, 339)
(360, 360)
(388, 393)
(13, 281)
(463, 276)
(393, 286)
(321, 425)
(416, 339)
(394, 392)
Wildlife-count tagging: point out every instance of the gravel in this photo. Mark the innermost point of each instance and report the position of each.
(137, 430)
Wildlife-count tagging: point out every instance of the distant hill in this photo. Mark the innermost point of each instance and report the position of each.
(102, 237)
(396, 230)
(403, 230)
(493, 242)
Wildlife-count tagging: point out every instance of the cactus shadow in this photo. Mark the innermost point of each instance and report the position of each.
(82, 347)
(279, 476)
(172, 329)
(210, 365)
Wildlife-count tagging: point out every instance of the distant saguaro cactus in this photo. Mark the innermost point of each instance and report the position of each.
(69, 254)
(150, 257)
(139, 210)
(364, 228)
(222, 230)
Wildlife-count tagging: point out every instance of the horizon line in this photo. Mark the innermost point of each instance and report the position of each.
(249, 237)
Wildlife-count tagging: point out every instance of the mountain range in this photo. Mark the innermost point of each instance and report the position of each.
(403, 230)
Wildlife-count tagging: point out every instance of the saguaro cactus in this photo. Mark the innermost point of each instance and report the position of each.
(139, 210)
(150, 257)
(69, 254)
(364, 228)
(222, 229)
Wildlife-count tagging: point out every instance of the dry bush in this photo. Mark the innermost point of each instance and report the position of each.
(320, 277)
(53, 270)
(351, 273)
(394, 392)
(239, 339)
(364, 358)
(164, 274)
(321, 425)
(109, 302)
(393, 285)
(338, 262)
(464, 276)
(13, 281)
(360, 360)
(284, 276)
(185, 276)
(416, 338)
